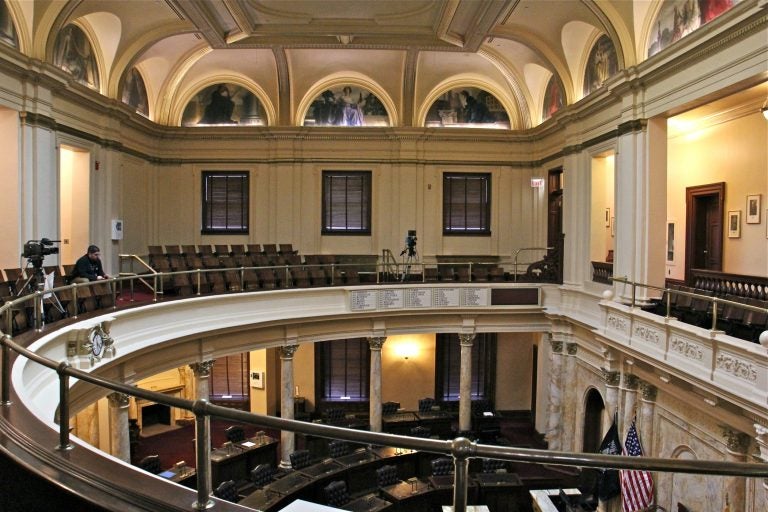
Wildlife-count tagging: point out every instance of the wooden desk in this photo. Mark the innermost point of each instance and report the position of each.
(502, 492)
(322, 469)
(438, 422)
(370, 503)
(399, 423)
(185, 476)
(405, 490)
(234, 463)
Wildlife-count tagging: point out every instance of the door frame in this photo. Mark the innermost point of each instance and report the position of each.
(691, 194)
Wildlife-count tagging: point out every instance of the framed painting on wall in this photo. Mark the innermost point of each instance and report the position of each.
(753, 209)
(734, 224)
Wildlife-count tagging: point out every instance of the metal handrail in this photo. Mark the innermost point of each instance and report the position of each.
(132, 258)
(528, 249)
(669, 291)
(460, 449)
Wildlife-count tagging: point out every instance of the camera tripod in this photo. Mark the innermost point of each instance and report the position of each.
(37, 282)
(411, 258)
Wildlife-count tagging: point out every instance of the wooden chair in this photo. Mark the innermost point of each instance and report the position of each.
(237, 250)
(317, 277)
(267, 279)
(221, 250)
(188, 250)
(172, 249)
(287, 249)
(204, 250)
(254, 249)
(270, 249)
(300, 278)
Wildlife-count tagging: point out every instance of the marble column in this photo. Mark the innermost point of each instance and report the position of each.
(612, 380)
(465, 382)
(120, 440)
(630, 403)
(375, 344)
(762, 445)
(645, 421)
(202, 371)
(734, 487)
(554, 421)
(287, 439)
(569, 399)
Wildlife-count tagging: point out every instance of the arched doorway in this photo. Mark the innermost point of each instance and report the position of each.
(593, 421)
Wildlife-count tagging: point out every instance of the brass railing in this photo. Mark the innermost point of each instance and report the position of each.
(461, 449)
(667, 298)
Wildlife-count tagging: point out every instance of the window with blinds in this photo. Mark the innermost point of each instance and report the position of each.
(347, 202)
(466, 203)
(229, 377)
(448, 367)
(225, 202)
(343, 370)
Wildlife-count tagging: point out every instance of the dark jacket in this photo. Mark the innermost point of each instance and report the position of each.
(87, 268)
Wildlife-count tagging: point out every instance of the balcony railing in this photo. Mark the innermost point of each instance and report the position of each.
(461, 449)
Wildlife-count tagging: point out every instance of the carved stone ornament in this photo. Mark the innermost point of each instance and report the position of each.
(611, 378)
(647, 334)
(287, 351)
(466, 340)
(376, 342)
(557, 345)
(737, 442)
(737, 367)
(648, 391)
(631, 381)
(119, 399)
(203, 368)
(571, 348)
(687, 348)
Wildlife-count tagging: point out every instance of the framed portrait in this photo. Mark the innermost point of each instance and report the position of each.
(670, 242)
(734, 224)
(257, 380)
(753, 209)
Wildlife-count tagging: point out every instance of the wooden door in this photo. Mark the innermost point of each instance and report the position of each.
(704, 228)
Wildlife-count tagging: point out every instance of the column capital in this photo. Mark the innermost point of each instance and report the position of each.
(571, 348)
(203, 368)
(287, 351)
(611, 378)
(119, 399)
(466, 340)
(736, 442)
(631, 381)
(648, 391)
(376, 342)
(557, 345)
(762, 441)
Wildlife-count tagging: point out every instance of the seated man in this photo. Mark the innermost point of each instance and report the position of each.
(88, 267)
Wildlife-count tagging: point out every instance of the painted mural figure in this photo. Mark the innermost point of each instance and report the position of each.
(74, 55)
(219, 110)
(475, 111)
(351, 109)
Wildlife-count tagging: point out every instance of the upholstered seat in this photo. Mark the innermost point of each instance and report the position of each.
(493, 465)
(151, 464)
(442, 466)
(336, 494)
(338, 448)
(386, 475)
(227, 491)
(300, 459)
(235, 434)
(262, 474)
(426, 404)
(388, 408)
(420, 431)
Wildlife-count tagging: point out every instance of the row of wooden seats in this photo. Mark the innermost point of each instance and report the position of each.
(461, 273)
(222, 249)
(734, 320)
(97, 296)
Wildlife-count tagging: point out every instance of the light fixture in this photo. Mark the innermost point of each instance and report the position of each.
(764, 110)
(406, 349)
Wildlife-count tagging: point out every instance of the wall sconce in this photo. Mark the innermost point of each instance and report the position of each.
(406, 350)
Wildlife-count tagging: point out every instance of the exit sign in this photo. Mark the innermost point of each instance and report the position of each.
(537, 182)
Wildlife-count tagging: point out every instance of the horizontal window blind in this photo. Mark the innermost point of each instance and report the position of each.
(347, 202)
(466, 203)
(225, 202)
(345, 369)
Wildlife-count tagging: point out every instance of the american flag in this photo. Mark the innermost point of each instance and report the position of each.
(636, 486)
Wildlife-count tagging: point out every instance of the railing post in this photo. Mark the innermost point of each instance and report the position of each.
(38, 310)
(287, 276)
(714, 314)
(64, 444)
(669, 302)
(470, 272)
(462, 448)
(114, 293)
(203, 456)
(634, 291)
(333, 273)
(198, 282)
(75, 305)
(133, 281)
(5, 397)
(242, 279)
(154, 288)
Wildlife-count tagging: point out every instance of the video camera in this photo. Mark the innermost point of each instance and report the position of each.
(410, 243)
(36, 250)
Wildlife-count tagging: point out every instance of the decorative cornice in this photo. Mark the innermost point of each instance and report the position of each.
(287, 351)
(203, 368)
(557, 345)
(648, 391)
(376, 342)
(466, 340)
(119, 399)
